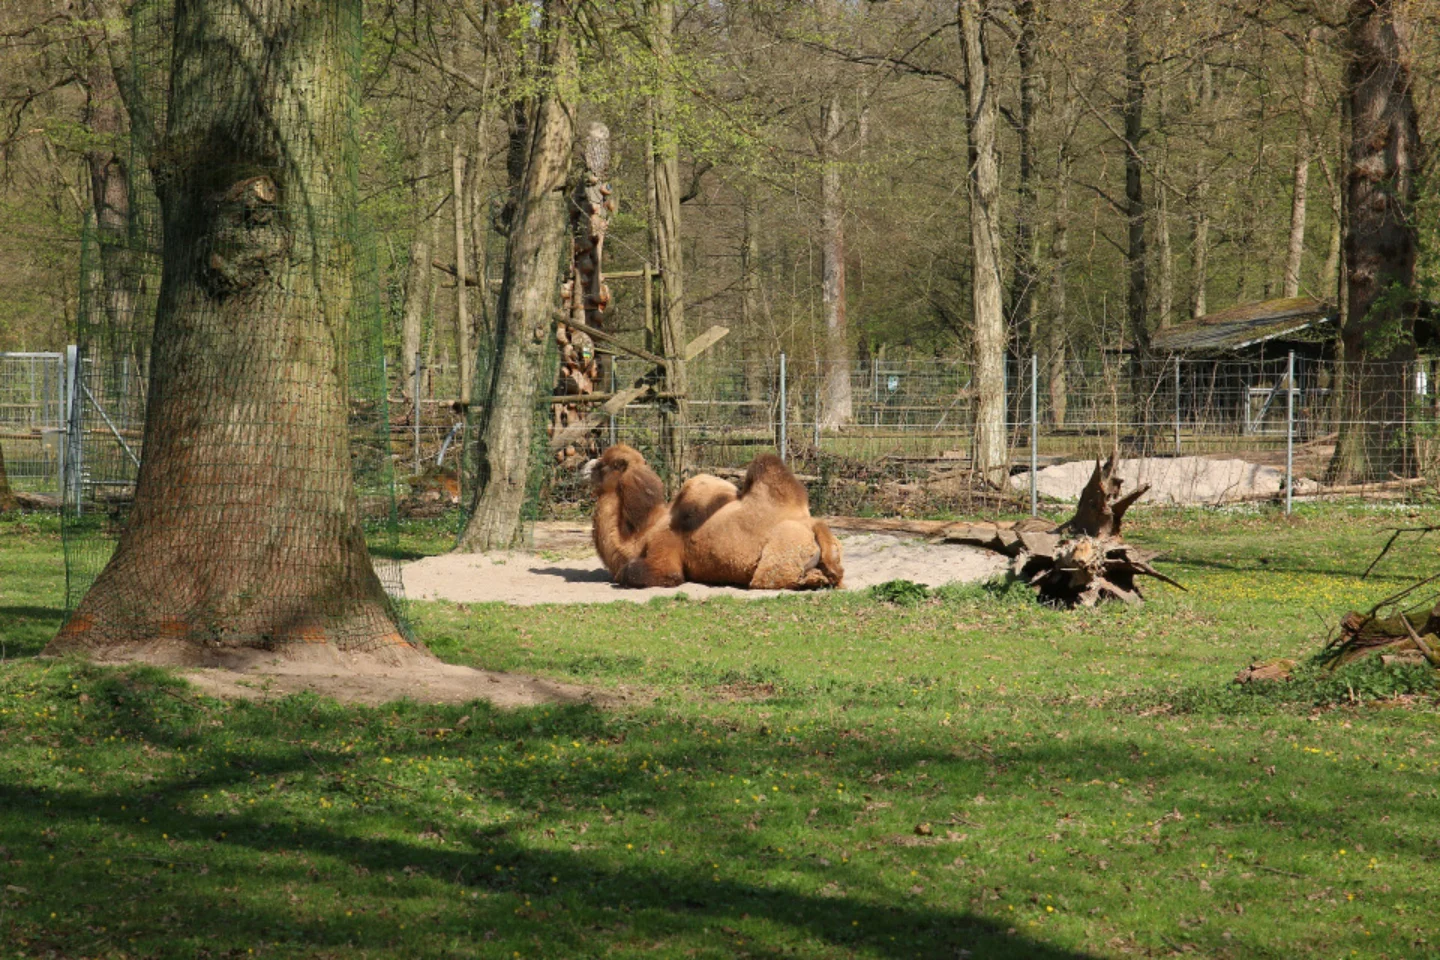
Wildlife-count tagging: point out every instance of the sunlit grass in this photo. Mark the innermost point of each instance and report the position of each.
(819, 776)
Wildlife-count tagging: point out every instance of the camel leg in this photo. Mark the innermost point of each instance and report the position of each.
(786, 559)
(660, 564)
(830, 562)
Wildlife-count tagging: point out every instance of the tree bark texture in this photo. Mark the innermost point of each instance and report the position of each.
(417, 279)
(988, 446)
(1055, 333)
(464, 344)
(1023, 273)
(836, 405)
(1380, 244)
(529, 294)
(1295, 251)
(665, 167)
(8, 502)
(245, 530)
(1133, 110)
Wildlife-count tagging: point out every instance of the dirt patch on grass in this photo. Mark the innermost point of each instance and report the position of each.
(367, 677)
(562, 568)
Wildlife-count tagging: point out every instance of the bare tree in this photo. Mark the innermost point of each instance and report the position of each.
(529, 295)
(1295, 250)
(988, 447)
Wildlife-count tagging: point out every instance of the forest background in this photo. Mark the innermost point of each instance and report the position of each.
(1154, 161)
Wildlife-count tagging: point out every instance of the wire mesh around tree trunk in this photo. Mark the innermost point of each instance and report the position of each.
(229, 437)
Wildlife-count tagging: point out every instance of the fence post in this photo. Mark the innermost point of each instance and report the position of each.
(419, 365)
(783, 405)
(74, 420)
(1177, 406)
(1034, 434)
(613, 439)
(819, 385)
(1289, 432)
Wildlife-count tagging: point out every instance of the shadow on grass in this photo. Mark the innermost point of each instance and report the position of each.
(430, 854)
(25, 630)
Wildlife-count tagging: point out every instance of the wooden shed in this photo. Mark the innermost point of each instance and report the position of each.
(1230, 365)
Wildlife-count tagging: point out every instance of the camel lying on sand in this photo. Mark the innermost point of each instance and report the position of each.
(758, 535)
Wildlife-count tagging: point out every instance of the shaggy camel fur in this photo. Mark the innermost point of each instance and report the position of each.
(760, 535)
(629, 508)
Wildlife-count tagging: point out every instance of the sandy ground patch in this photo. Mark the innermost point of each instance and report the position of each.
(377, 676)
(563, 568)
(1177, 480)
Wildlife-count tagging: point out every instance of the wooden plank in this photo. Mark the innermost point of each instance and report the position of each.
(565, 400)
(704, 342)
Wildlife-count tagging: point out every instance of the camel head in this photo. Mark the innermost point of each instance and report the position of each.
(621, 472)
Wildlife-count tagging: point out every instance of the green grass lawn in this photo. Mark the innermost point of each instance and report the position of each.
(811, 776)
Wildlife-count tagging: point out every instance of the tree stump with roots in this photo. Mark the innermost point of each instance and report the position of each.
(1080, 562)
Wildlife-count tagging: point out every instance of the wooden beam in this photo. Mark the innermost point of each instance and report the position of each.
(611, 339)
(561, 400)
(704, 342)
(630, 274)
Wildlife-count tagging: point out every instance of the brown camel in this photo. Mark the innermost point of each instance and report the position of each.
(760, 535)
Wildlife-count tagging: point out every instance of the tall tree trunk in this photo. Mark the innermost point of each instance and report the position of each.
(665, 170)
(757, 345)
(122, 332)
(417, 277)
(8, 503)
(1055, 327)
(988, 447)
(1380, 243)
(1133, 110)
(1201, 242)
(479, 231)
(464, 345)
(245, 529)
(1295, 252)
(1023, 272)
(836, 408)
(1164, 256)
(529, 295)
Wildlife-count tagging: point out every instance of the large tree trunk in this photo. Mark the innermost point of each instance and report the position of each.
(988, 446)
(529, 294)
(1295, 252)
(665, 175)
(1380, 244)
(245, 529)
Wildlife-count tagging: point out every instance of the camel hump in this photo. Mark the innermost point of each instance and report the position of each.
(698, 500)
(768, 476)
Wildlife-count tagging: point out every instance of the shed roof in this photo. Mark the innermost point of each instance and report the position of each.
(1243, 325)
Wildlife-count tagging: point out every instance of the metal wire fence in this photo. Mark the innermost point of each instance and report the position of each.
(32, 421)
(1199, 431)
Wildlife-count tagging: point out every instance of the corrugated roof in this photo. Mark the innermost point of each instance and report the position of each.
(1243, 325)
